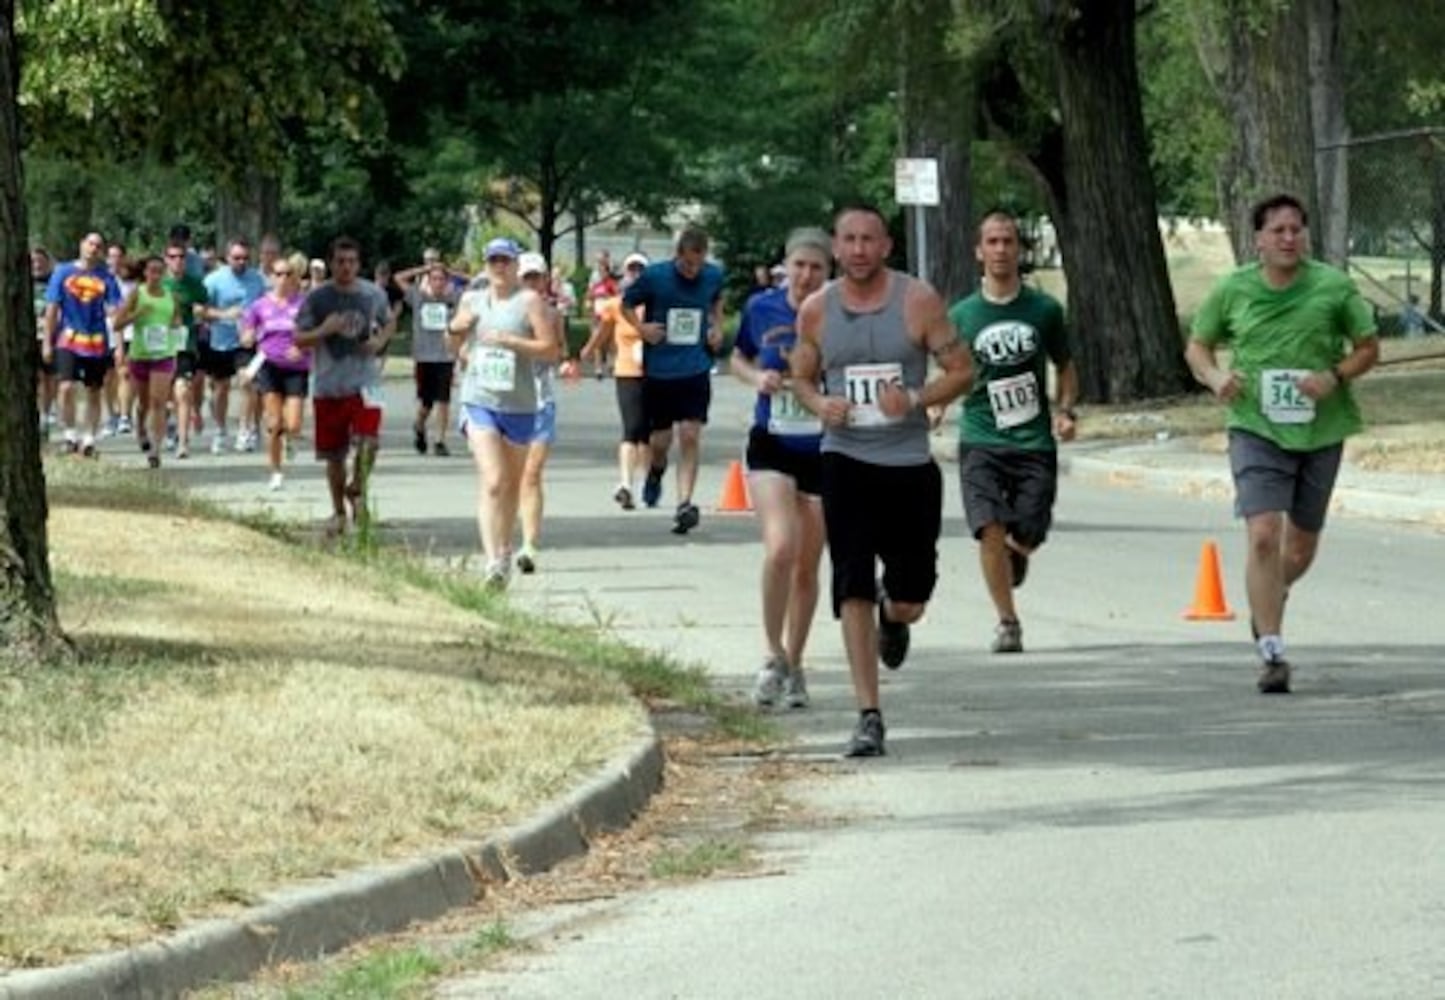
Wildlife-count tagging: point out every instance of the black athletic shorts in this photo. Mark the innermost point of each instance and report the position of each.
(434, 382)
(891, 514)
(630, 404)
(1010, 487)
(219, 365)
(286, 382)
(677, 400)
(768, 454)
(89, 371)
(186, 365)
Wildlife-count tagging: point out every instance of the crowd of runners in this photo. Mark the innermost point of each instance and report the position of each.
(852, 362)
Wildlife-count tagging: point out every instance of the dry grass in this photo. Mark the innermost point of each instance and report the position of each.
(249, 713)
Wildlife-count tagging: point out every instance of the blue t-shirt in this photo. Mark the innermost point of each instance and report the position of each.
(225, 289)
(83, 295)
(684, 308)
(766, 337)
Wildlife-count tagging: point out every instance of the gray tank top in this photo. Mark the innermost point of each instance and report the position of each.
(497, 378)
(862, 351)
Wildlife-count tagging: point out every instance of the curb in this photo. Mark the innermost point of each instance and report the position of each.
(305, 922)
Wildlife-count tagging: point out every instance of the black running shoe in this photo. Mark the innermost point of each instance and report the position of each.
(418, 439)
(867, 739)
(1274, 677)
(893, 637)
(652, 488)
(1018, 565)
(686, 518)
(440, 450)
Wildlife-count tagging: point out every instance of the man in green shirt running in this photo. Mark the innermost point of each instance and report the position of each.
(1298, 332)
(1008, 462)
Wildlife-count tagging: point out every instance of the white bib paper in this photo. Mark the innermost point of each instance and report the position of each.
(1281, 399)
(789, 418)
(496, 369)
(684, 326)
(434, 316)
(864, 384)
(157, 339)
(1015, 400)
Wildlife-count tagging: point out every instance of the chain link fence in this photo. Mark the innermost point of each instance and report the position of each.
(1396, 232)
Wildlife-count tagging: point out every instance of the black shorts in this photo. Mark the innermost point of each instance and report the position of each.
(881, 512)
(434, 382)
(286, 382)
(1009, 487)
(630, 393)
(671, 401)
(85, 369)
(244, 356)
(768, 454)
(1270, 479)
(186, 364)
(219, 365)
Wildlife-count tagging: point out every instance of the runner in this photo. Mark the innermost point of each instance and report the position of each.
(154, 316)
(499, 333)
(189, 292)
(119, 400)
(433, 303)
(269, 325)
(683, 331)
(41, 267)
(229, 290)
(784, 469)
(532, 270)
(1298, 332)
(869, 334)
(77, 337)
(602, 288)
(347, 323)
(1007, 456)
(633, 452)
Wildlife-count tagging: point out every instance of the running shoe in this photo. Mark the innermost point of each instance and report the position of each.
(145, 445)
(623, 496)
(218, 444)
(153, 461)
(527, 559)
(1018, 565)
(652, 488)
(122, 425)
(172, 442)
(72, 446)
(245, 442)
(1274, 677)
(1008, 637)
(418, 438)
(893, 637)
(867, 738)
(686, 518)
(108, 429)
(497, 574)
(440, 449)
(277, 480)
(768, 688)
(88, 449)
(183, 452)
(795, 690)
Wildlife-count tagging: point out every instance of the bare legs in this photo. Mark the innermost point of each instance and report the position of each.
(793, 538)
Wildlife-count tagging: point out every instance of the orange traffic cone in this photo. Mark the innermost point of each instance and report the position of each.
(735, 491)
(1209, 589)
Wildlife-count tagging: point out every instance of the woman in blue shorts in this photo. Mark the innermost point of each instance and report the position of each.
(784, 469)
(501, 332)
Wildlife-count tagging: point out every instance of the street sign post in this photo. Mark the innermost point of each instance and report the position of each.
(915, 184)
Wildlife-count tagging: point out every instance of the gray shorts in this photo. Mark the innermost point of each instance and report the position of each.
(1267, 479)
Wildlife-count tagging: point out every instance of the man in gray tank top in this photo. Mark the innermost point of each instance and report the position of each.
(869, 334)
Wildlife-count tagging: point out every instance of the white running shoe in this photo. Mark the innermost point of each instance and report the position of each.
(218, 444)
(768, 688)
(276, 481)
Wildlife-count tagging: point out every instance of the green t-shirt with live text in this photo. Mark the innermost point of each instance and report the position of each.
(1279, 335)
(1012, 343)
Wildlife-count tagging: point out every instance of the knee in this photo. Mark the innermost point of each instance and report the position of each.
(689, 435)
(899, 611)
(780, 553)
(1264, 538)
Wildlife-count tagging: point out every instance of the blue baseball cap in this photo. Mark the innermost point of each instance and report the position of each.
(501, 247)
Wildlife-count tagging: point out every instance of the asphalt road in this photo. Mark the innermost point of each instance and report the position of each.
(1115, 813)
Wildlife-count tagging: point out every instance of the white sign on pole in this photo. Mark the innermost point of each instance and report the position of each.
(915, 182)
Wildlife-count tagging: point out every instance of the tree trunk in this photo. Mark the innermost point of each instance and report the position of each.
(939, 111)
(29, 629)
(1437, 232)
(1331, 131)
(249, 209)
(1256, 54)
(1127, 343)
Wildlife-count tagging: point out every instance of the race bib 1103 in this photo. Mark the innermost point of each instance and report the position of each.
(1015, 400)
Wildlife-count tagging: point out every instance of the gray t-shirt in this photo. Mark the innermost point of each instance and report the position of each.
(429, 318)
(342, 368)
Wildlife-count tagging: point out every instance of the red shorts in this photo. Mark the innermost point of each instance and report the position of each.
(341, 421)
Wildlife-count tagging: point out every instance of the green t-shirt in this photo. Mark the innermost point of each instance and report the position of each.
(188, 291)
(1012, 343)
(1278, 335)
(152, 338)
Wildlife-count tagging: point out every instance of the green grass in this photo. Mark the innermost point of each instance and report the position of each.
(397, 973)
(699, 860)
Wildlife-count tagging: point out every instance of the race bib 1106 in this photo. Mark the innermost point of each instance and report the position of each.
(864, 384)
(1280, 398)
